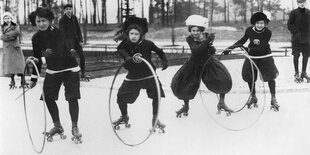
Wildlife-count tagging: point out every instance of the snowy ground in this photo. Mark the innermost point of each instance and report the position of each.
(275, 133)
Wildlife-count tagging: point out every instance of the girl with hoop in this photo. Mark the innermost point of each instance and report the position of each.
(139, 75)
(186, 81)
(13, 57)
(49, 48)
(259, 36)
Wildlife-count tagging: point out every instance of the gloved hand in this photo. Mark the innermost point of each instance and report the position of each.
(210, 38)
(33, 59)
(164, 65)
(72, 52)
(48, 52)
(32, 84)
(230, 48)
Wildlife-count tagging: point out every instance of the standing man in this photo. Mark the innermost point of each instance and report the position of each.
(299, 25)
(69, 24)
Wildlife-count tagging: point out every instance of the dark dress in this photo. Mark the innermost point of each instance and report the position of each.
(258, 46)
(186, 81)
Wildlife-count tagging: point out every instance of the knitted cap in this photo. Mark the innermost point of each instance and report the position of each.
(7, 14)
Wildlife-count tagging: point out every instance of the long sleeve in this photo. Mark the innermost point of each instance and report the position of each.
(11, 34)
(122, 51)
(80, 37)
(291, 23)
(159, 52)
(37, 54)
(244, 38)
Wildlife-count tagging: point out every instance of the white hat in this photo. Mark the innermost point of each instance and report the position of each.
(7, 14)
(197, 20)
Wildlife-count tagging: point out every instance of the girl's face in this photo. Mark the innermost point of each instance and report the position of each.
(259, 25)
(7, 19)
(42, 23)
(301, 4)
(134, 35)
(195, 32)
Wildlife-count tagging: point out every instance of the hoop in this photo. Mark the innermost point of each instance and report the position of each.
(44, 108)
(252, 88)
(158, 96)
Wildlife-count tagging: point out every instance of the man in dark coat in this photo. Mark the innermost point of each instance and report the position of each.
(299, 25)
(69, 24)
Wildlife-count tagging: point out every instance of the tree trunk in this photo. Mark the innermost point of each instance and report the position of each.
(95, 12)
(162, 12)
(151, 12)
(211, 14)
(228, 12)
(244, 11)
(225, 8)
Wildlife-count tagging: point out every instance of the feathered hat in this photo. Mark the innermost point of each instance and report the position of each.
(41, 12)
(259, 16)
(132, 20)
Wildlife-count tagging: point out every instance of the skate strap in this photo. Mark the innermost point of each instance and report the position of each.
(260, 57)
(145, 78)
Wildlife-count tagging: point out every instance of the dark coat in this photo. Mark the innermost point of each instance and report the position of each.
(60, 58)
(299, 25)
(71, 29)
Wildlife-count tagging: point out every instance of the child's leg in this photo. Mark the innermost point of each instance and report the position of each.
(304, 63)
(74, 111)
(272, 88)
(295, 60)
(53, 110)
(123, 108)
(250, 84)
(186, 104)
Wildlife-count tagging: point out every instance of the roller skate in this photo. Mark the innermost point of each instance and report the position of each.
(274, 104)
(77, 136)
(304, 75)
(24, 84)
(122, 120)
(252, 102)
(298, 78)
(183, 110)
(12, 85)
(159, 126)
(221, 106)
(85, 77)
(57, 130)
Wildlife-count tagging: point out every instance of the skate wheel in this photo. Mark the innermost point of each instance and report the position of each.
(228, 113)
(62, 136)
(218, 112)
(127, 125)
(255, 105)
(49, 139)
(185, 114)
(116, 127)
(179, 116)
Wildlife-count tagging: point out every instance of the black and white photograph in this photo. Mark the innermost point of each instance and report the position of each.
(154, 77)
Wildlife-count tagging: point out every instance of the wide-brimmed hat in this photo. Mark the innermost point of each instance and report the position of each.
(197, 20)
